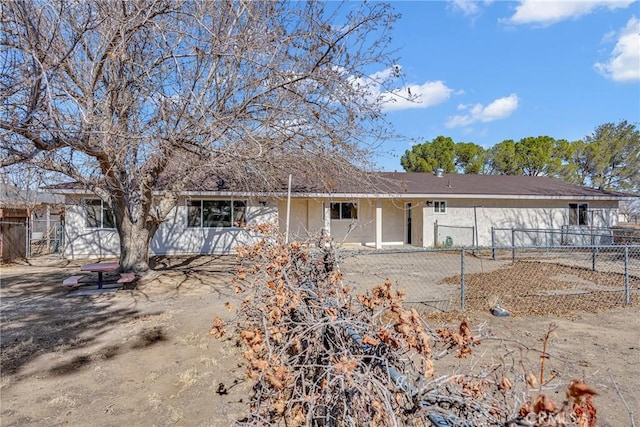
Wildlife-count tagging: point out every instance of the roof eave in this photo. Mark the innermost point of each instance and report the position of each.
(462, 196)
(450, 196)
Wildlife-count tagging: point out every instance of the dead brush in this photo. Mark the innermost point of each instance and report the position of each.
(539, 409)
(320, 356)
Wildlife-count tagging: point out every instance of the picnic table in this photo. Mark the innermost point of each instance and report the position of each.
(100, 267)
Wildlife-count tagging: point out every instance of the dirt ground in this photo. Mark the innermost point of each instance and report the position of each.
(144, 356)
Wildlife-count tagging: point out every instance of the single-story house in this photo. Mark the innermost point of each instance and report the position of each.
(417, 209)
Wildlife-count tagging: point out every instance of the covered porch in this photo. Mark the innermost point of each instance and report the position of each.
(360, 221)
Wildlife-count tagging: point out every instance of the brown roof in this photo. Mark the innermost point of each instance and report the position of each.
(396, 184)
(498, 185)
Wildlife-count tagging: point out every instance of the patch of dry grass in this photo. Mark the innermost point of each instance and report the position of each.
(187, 379)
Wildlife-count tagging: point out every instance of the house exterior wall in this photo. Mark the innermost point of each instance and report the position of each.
(310, 215)
(84, 242)
(306, 217)
(358, 231)
(515, 213)
(393, 222)
(299, 218)
(173, 236)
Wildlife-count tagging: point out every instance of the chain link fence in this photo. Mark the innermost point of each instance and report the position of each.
(528, 280)
(46, 237)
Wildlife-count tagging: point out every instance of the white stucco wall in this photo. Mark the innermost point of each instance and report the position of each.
(513, 213)
(393, 222)
(83, 242)
(308, 218)
(358, 231)
(173, 236)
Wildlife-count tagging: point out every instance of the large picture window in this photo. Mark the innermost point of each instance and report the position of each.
(98, 214)
(440, 206)
(344, 210)
(216, 213)
(578, 214)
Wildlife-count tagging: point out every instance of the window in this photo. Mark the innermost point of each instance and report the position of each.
(344, 210)
(578, 214)
(440, 206)
(216, 213)
(98, 214)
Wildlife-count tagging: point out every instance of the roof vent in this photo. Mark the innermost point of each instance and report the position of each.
(439, 172)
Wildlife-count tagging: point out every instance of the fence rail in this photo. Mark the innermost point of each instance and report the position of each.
(565, 236)
(523, 280)
(46, 237)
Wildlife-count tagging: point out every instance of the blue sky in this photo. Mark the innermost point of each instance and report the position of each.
(486, 71)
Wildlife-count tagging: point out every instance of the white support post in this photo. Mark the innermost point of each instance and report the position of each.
(427, 240)
(327, 217)
(286, 235)
(48, 232)
(379, 224)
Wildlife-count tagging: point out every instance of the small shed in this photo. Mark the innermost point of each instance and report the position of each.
(13, 233)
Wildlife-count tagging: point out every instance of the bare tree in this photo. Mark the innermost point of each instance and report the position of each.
(19, 183)
(134, 100)
(630, 210)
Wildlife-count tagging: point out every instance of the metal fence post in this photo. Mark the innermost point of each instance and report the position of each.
(593, 257)
(627, 294)
(513, 245)
(493, 243)
(462, 280)
(27, 243)
(475, 242)
(546, 242)
(435, 234)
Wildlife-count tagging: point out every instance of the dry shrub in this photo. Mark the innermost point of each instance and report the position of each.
(320, 356)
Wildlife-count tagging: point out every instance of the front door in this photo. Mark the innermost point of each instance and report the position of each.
(407, 210)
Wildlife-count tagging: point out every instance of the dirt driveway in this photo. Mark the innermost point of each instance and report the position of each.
(144, 357)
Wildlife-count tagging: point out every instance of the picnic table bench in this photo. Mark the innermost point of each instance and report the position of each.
(126, 278)
(100, 268)
(73, 280)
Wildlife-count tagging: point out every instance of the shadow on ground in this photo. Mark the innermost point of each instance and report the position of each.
(39, 317)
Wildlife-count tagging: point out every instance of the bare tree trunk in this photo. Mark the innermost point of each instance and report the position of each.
(134, 246)
(136, 227)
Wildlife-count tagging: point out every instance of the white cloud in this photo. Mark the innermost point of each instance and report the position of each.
(498, 109)
(385, 74)
(425, 95)
(547, 12)
(407, 97)
(468, 7)
(624, 63)
(465, 6)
